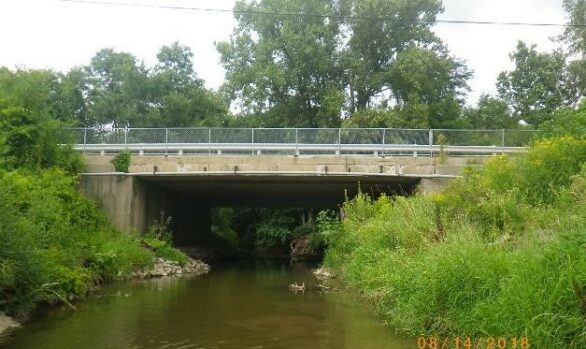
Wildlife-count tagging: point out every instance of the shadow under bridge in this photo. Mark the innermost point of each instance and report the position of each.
(188, 198)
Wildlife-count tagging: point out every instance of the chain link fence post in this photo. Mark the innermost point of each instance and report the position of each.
(431, 142)
(503, 142)
(252, 139)
(339, 141)
(384, 140)
(84, 139)
(166, 141)
(126, 138)
(296, 142)
(209, 141)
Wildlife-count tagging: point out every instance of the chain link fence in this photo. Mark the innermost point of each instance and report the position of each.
(419, 142)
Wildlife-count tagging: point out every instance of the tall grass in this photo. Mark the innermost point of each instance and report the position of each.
(501, 252)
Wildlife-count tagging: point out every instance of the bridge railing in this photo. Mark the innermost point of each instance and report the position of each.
(298, 141)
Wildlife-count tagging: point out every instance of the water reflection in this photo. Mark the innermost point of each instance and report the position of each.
(243, 306)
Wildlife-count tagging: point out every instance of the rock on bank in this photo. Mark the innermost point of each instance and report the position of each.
(163, 267)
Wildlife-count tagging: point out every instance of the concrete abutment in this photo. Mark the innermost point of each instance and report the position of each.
(186, 188)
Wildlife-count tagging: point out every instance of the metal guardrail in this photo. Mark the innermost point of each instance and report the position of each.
(298, 141)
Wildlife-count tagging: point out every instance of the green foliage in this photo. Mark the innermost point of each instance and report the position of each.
(575, 34)
(566, 122)
(31, 141)
(275, 228)
(540, 84)
(382, 118)
(491, 113)
(303, 71)
(54, 243)
(431, 79)
(121, 161)
(501, 252)
(222, 219)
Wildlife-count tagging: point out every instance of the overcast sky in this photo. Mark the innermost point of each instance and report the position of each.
(60, 35)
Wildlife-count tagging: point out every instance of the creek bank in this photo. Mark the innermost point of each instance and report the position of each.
(7, 323)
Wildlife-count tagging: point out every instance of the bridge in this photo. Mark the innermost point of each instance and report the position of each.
(186, 171)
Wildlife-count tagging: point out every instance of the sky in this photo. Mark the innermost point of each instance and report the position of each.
(53, 34)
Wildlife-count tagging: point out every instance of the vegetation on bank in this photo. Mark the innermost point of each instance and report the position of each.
(56, 245)
(501, 252)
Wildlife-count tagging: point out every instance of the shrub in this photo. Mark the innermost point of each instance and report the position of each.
(121, 161)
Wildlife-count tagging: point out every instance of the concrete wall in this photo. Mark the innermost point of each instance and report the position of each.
(123, 198)
(419, 166)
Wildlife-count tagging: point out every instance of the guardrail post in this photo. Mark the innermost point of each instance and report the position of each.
(126, 137)
(84, 139)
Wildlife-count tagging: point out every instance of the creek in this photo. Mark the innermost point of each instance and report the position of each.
(243, 305)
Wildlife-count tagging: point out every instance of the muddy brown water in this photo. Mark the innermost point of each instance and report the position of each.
(239, 306)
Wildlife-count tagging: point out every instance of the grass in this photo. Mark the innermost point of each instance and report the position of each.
(501, 252)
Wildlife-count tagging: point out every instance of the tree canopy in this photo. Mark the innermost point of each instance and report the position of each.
(333, 59)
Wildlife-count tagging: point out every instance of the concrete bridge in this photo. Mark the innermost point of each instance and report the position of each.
(186, 183)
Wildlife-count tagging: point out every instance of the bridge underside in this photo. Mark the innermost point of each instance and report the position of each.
(277, 191)
(134, 202)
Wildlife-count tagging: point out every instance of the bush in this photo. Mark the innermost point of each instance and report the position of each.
(121, 161)
(566, 122)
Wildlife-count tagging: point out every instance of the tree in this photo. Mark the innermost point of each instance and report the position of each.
(537, 86)
(491, 113)
(374, 45)
(339, 57)
(285, 64)
(436, 83)
(575, 33)
(117, 89)
(179, 96)
(174, 72)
